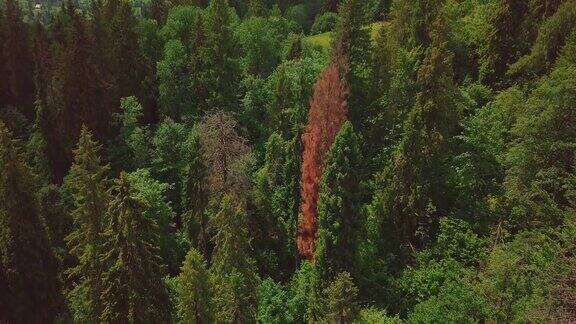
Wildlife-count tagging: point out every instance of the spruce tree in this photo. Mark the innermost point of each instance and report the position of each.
(29, 270)
(225, 68)
(340, 304)
(338, 206)
(133, 288)
(415, 191)
(352, 49)
(88, 183)
(17, 60)
(194, 294)
(195, 195)
(233, 270)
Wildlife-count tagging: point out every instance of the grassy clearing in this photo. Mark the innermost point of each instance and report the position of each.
(324, 39)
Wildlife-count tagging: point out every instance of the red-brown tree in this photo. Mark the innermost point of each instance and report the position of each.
(327, 114)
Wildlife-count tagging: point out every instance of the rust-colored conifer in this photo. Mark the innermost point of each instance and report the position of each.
(327, 114)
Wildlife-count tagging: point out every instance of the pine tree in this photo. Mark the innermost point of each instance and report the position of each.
(326, 116)
(29, 270)
(233, 270)
(133, 287)
(88, 183)
(338, 206)
(193, 300)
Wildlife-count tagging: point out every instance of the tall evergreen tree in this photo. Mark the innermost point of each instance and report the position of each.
(29, 270)
(88, 183)
(233, 270)
(352, 50)
(415, 190)
(133, 288)
(193, 300)
(17, 60)
(340, 304)
(338, 206)
(225, 69)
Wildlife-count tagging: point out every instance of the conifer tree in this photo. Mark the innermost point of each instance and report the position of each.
(415, 190)
(338, 211)
(352, 50)
(340, 304)
(88, 183)
(29, 270)
(195, 194)
(233, 270)
(194, 294)
(225, 68)
(17, 60)
(326, 116)
(133, 288)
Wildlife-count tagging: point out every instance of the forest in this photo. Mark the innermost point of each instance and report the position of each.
(287, 161)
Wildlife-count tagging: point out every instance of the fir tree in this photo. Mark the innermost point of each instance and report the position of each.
(338, 211)
(233, 270)
(29, 270)
(88, 183)
(133, 288)
(194, 294)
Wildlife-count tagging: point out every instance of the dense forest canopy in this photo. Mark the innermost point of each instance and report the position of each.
(287, 161)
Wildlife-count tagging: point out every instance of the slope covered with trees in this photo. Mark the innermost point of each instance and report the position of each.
(288, 161)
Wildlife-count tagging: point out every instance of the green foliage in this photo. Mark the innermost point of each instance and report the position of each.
(234, 275)
(324, 23)
(153, 194)
(306, 292)
(517, 277)
(456, 302)
(88, 183)
(194, 292)
(133, 286)
(374, 315)
(339, 218)
(539, 178)
(340, 300)
(29, 269)
(273, 303)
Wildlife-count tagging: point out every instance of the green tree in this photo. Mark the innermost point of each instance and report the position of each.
(225, 70)
(273, 303)
(195, 194)
(17, 60)
(339, 218)
(193, 301)
(415, 188)
(88, 183)
(153, 194)
(133, 288)
(29, 270)
(234, 274)
(341, 305)
(352, 46)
